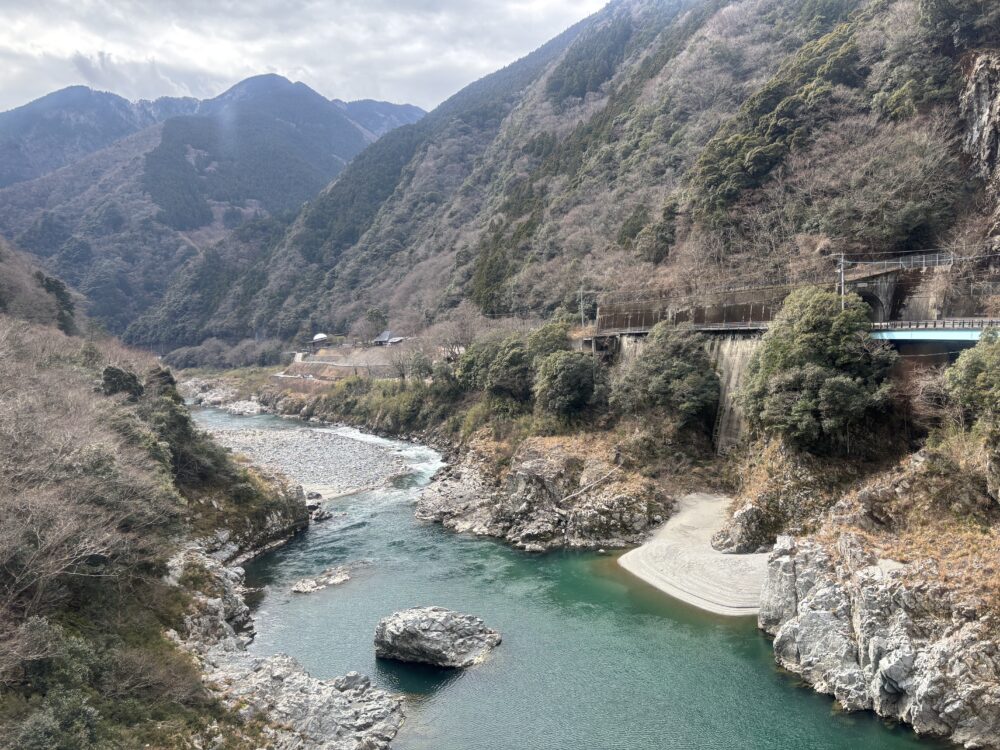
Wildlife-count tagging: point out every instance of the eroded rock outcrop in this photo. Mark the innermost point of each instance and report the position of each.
(299, 712)
(436, 636)
(882, 636)
(554, 494)
(981, 112)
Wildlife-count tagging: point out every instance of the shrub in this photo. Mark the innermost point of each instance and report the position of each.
(65, 722)
(672, 373)
(116, 380)
(973, 382)
(566, 383)
(549, 339)
(510, 374)
(817, 375)
(474, 365)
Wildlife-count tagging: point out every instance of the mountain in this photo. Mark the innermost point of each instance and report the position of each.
(676, 145)
(118, 223)
(378, 118)
(64, 126)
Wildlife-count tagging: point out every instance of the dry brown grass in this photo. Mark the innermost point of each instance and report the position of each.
(937, 511)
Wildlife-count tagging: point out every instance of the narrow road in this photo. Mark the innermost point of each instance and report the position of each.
(679, 560)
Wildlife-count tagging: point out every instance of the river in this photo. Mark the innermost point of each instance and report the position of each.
(591, 658)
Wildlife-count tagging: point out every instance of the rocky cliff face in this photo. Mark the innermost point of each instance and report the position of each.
(554, 494)
(298, 712)
(252, 535)
(883, 636)
(783, 490)
(981, 112)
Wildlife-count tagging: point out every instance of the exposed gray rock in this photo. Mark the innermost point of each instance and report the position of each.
(434, 635)
(345, 713)
(329, 577)
(300, 712)
(748, 531)
(861, 630)
(981, 111)
(548, 499)
(260, 534)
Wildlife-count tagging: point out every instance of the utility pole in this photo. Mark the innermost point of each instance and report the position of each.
(583, 320)
(843, 290)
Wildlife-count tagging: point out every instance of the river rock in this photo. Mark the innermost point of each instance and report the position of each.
(434, 635)
(330, 577)
(345, 713)
(304, 453)
(883, 636)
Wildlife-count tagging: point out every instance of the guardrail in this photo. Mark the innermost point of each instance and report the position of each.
(854, 268)
(892, 325)
(944, 324)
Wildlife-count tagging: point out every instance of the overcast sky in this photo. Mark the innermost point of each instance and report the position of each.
(416, 51)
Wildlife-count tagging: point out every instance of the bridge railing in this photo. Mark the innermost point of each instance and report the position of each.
(892, 325)
(905, 262)
(944, 324)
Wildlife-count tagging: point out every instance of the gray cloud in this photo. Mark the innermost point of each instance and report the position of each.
(418, 51)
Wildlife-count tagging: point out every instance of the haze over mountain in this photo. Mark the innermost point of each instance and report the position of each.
(143, 186)
(675, 145)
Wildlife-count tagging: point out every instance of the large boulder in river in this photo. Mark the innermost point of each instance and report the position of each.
(434, 635)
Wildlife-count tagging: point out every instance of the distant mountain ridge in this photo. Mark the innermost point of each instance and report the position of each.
(62, 127)
(133, 190)
(68, 124)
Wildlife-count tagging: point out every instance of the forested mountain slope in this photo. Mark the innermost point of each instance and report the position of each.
(117, 223)
(677, 144)
(66, 125)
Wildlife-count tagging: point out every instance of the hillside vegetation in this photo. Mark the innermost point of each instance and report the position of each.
(103, 476)
(29, 294)
(674, 145)
(119, 222)
(64, 126)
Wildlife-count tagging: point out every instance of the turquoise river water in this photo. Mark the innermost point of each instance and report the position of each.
(591, 658)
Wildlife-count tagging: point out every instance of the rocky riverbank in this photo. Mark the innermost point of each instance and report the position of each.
(555, 493)
(293, 710)
(558, 492)
(211, 392)
(883, 636)
(304, 453)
